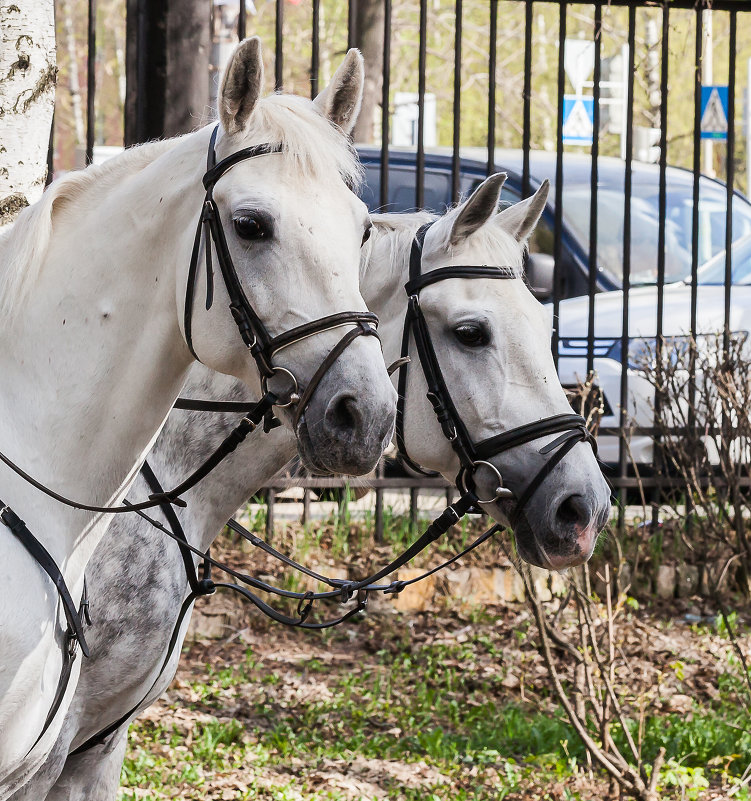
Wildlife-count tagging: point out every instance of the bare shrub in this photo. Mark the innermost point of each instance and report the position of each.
(702, 436)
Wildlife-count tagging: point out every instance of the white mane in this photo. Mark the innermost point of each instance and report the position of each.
(315, 145)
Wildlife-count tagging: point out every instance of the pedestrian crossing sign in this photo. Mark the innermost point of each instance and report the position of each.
(578, 120)
(714, 113)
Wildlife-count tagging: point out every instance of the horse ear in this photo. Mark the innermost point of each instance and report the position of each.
(520, 219)
(340, 101)
(478, 208)
(241, 86)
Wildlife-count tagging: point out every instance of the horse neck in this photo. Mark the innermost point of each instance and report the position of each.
(94, 361)
(384, 269)
(188, 438)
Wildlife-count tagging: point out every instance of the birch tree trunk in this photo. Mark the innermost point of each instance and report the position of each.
(27, 98)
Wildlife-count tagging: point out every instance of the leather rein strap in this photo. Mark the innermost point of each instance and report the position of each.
(571, 427)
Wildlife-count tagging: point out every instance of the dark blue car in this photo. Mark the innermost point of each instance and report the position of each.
(576, 211)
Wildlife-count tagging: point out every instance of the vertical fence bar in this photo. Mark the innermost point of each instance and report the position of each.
(558, 224)
(698, 19)
(352, 24)
(414, 499)
(270, 503)
(315, 58)
(385, 106)
(490, 168)
(622, 453)
(91, 83)
(378, 532)
(662, 210)
(592, 282)
(278, 50)
(527, 95)
(696, 170)
(241, 20)
(421, 67)
(455, 185)
(305, 506)
(729, 181)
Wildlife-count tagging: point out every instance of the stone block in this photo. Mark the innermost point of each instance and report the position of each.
(665, 581)
(417, 597)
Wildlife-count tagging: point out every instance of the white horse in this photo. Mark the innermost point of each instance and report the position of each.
(93, 354)
(501, 379)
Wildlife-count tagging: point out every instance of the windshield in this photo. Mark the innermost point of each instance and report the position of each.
(714, 272)
(645, 225)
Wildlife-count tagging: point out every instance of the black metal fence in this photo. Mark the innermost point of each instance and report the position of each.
(665, 50)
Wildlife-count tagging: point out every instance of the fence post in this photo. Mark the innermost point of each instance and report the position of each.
(270, 500)
(413, 503)
(305, 506)
(378, 533)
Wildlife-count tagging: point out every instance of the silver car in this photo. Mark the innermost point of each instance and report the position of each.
(610, 358)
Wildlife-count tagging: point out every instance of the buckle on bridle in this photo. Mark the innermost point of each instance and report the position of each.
(501, 492)
(293, 396)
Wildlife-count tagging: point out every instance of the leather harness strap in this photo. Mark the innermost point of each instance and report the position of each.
(74, 636)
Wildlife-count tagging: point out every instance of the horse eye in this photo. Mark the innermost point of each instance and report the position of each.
(471, 334)
(366, 234)
(248, 227)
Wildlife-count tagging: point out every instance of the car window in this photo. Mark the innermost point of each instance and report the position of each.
(714, 272)
(645, 227)
(402, 189)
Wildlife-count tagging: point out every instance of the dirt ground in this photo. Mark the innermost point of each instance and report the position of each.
(450, 703)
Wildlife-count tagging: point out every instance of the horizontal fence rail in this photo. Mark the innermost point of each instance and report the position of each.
(502, 74)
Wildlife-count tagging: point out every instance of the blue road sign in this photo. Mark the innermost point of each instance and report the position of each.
(578, 120)
(714, 113)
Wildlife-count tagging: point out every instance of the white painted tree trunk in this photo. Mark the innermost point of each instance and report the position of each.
(27, 97)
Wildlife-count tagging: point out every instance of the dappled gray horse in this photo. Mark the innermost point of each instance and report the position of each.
(492, 340)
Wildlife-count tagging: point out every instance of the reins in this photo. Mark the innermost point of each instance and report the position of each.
(571, 427)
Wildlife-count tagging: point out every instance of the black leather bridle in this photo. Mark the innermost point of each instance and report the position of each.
(472, 455)
(255, 335)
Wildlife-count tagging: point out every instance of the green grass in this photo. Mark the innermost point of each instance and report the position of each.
(444, 705)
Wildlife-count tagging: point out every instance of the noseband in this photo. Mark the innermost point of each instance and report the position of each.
(472, 455)
(255, 335)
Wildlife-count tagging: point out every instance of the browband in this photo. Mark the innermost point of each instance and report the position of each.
(458, 271)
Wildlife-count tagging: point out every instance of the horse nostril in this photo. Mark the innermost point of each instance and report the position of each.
(343, 414)
(574, 511)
